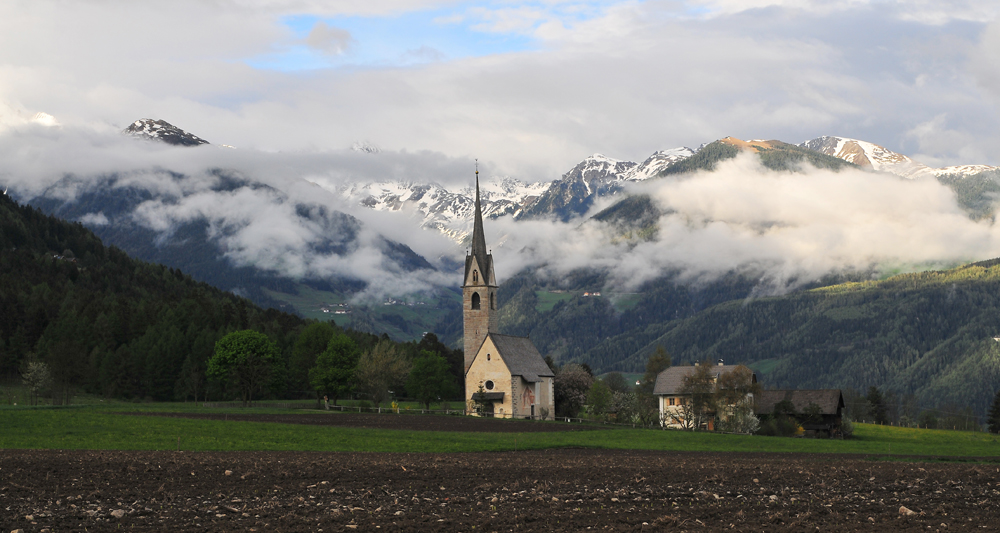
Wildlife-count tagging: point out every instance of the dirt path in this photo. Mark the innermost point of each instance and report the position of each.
(411, 422)
(555, 490)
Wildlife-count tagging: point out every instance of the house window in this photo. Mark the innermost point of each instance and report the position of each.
(475, 300)
(489, 384)
(671, 401)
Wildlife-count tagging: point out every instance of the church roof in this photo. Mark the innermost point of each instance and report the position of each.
(522, 357)
(671, 380)
(479, 251)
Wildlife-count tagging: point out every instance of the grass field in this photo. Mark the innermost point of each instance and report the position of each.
(105, 427)
(547, 300)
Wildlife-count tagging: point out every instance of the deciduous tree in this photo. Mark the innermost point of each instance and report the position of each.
(430, 379)
(333, 372)
(380, 369)
(698, 390)
(245, 359)
(571, 386)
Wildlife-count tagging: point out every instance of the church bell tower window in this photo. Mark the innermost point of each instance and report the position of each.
(475, 276)
(493, 300)
(475, 300)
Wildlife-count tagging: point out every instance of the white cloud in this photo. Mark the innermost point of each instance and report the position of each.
(791, 227)
(328, 39)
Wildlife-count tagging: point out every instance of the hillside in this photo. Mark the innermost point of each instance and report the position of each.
(106, 323)
(930, 334)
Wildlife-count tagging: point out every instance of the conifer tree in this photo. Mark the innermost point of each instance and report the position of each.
(994, 416)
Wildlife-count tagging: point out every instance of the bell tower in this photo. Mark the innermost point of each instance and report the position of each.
(479, 289)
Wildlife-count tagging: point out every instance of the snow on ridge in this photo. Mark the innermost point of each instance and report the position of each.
(449, 209)
(868, 154)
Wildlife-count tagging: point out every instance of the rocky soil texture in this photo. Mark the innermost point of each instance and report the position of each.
(553, 490)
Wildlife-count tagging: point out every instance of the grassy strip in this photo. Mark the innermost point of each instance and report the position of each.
(104, 429)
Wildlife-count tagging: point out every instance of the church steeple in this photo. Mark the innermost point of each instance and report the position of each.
(479, 238)
(479, 288)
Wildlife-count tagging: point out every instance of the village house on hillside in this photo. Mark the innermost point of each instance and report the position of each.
(673, 400)
(504, 375)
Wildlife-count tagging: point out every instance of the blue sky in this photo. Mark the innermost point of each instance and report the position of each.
(469, 29)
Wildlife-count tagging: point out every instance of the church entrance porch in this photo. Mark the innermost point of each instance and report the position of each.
(485, 403)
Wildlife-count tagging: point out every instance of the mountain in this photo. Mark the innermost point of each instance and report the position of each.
(276, 243)
(597, 176)
(449, 210)
(107, 323)
(869, 155)
(439, 208)
(931, 334)
(163, 131)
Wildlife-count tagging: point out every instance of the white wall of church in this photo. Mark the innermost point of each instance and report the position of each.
(488, 366)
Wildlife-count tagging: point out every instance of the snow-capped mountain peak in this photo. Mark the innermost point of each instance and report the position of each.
(365, 147)
(164, 131)
(13, 116)
(656, 163)
(870, 155)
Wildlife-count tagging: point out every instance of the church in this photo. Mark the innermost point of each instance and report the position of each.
(505, 376)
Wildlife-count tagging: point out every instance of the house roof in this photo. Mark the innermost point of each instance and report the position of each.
(671, 380)
(828, 400)
(521, 356)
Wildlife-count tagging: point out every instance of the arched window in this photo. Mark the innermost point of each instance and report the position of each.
(493, 304)
(475, 300)
(475, 276)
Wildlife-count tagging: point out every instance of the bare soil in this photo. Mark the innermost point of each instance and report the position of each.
(553, 490)
(411, 422)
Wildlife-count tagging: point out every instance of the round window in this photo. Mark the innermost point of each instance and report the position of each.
(488, 385)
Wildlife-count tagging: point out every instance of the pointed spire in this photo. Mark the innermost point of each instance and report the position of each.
(478, 236)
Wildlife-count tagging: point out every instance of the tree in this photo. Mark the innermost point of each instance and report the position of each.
(876, 406)
(736, 393)
(333, 372)
(37, 378)
(617, 382)
(380, 369)
(698, 390)
(993, 419)
(571, 386)
(658, 362)
(430, 379)
(599, 398)
(312, 341)
(245, 359)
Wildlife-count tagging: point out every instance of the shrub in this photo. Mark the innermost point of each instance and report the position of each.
(846, 428)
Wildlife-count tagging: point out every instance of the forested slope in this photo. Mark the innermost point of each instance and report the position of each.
(106, 323)
(929, 334)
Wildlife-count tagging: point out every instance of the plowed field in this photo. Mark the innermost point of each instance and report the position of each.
(553, 490)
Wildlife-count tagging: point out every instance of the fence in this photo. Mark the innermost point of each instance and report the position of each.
(263, 405)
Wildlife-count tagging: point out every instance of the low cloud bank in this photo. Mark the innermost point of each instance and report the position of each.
(790, 228)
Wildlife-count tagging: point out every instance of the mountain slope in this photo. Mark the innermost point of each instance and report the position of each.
(105, 322)
(870, 155)
(161, 130)
(930, 334)
(595, 177)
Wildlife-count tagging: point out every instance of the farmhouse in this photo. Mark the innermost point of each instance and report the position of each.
(815, 410)
(673, 400)
(504, 375)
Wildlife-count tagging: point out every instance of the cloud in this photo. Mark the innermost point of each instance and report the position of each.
(329, 40)
(789, 228)
(623, 78)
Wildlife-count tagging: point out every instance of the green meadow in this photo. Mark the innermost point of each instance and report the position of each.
(111, 427)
